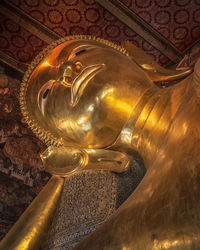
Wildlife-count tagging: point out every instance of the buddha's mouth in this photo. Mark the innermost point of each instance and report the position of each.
(81, 81)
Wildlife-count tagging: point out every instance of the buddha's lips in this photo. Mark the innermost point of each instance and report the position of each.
(81, 81)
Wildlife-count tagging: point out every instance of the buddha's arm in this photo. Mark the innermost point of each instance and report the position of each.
(156, 72)
(30, 230)
(162, 213)
(66, 160)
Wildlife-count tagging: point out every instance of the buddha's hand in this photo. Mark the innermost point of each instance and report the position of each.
(66, 160)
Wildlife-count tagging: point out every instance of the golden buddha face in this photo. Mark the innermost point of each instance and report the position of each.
(84, 91)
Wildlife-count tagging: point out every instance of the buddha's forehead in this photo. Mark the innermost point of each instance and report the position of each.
(73, 44)
(65, 50)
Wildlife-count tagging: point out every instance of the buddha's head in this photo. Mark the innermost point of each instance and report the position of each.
(80, 91)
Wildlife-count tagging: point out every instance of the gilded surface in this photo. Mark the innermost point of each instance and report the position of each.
(30, 230)
(86, 97)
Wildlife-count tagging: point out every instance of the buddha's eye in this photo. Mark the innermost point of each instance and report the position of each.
(80, 52)
(45, 94)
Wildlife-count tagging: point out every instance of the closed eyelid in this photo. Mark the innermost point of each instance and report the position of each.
(43, 94)
(80, 50)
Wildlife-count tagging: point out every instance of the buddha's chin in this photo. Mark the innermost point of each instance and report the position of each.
(87, 141)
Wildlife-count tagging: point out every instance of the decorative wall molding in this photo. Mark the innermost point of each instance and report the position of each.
(27, 22)
(21, 67)
(141, 28)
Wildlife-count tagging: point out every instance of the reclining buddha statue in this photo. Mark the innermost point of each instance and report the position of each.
(100, 109)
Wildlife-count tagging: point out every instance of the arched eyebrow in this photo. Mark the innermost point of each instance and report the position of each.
(41, 98)
(45, 93)
(79, 50)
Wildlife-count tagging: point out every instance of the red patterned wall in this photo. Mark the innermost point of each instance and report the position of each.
(22, 173)
(177, 20)
(17, 42)
(81, 17)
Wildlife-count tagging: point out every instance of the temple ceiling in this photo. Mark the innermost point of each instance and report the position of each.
(167, 30)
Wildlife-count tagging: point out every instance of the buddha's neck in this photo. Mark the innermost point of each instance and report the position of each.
(150, 121)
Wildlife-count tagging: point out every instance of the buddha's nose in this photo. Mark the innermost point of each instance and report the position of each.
(69, 72)
(68, 75)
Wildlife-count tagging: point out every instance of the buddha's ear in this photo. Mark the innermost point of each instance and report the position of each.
(66, 160)
(155, 72)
